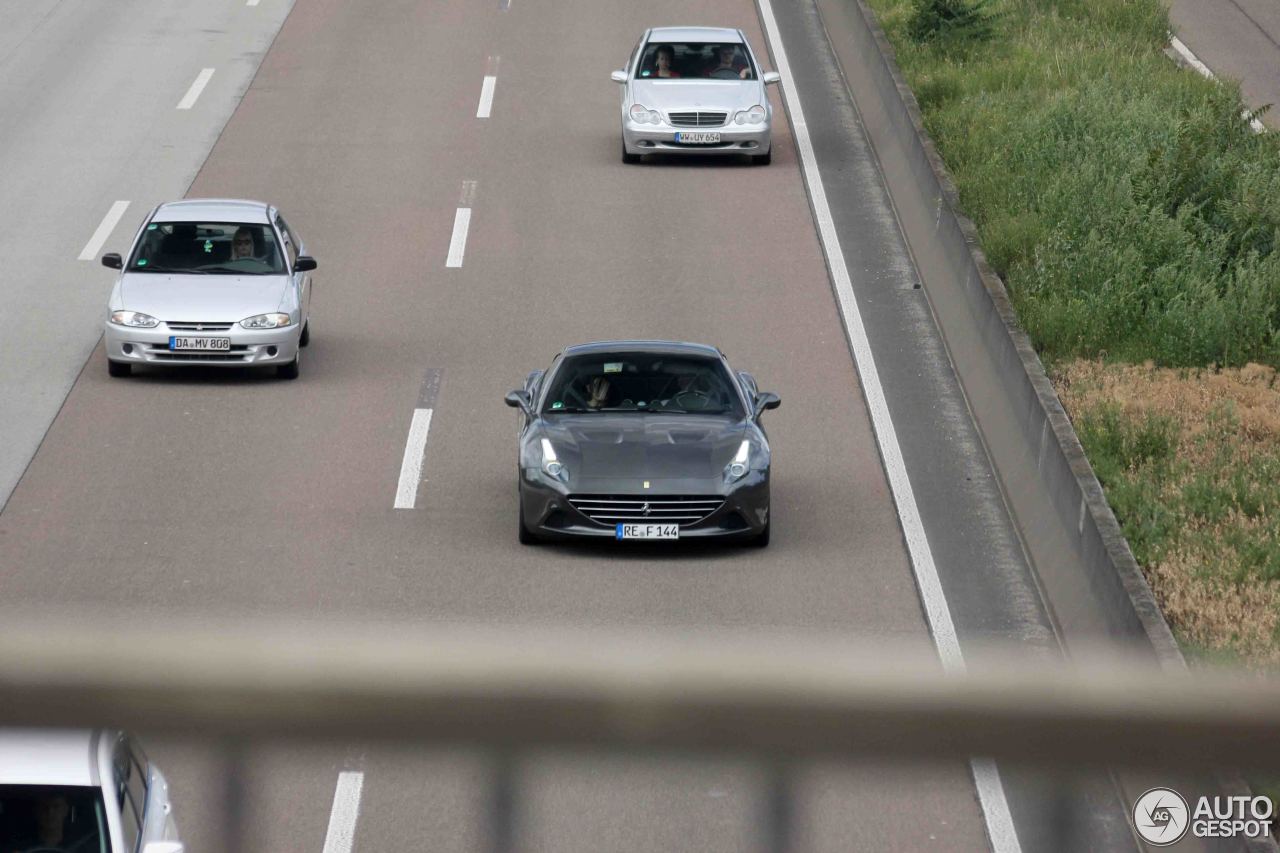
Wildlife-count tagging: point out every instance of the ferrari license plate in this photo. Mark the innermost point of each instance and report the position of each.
(698, 138)
(177, 343)
(647, 531)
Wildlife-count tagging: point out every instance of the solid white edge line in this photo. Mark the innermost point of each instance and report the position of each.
(202, 79)
(415, 447)
(991, 795)
(1194, 61)
(105, 227)
(458, 242)
(346, 809)
(486, 96)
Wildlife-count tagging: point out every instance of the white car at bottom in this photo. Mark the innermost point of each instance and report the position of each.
(82, 790)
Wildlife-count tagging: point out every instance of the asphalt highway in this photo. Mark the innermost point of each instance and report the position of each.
(211, 493)
(1239, 40)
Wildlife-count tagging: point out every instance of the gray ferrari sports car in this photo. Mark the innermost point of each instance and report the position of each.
(642, 440)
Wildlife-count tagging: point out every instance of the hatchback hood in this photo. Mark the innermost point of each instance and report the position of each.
(209, 298)
(728, 95)
(644, 446)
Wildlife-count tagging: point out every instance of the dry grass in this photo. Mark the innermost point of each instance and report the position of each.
(1191, 463)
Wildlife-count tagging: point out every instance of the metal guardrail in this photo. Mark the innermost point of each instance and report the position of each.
(777, 698)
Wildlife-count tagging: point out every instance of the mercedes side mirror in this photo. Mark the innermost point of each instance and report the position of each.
(113, 260)
(618, 76)
(520, 400)
(767, 400)
(304, 263)
(771, 77)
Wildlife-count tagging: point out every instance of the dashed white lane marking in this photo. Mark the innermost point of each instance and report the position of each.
(486, 96)
(1191, 59)
(202, 79)
(346, 809)
(991, 795)
(415, 449)
(458, 243)
(251, 3)
(105, 228)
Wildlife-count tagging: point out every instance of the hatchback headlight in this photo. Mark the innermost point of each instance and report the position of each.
(641, 115)
(266, 321)
(551, 465)
(755, 115)
(134, 318)
(740, 464)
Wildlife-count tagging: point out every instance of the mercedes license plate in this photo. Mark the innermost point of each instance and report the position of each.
(647, 531)
(698, 138)
(178, 343)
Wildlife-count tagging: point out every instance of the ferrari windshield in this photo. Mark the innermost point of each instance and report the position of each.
(227, 248)
(701, 61)
(642, 382)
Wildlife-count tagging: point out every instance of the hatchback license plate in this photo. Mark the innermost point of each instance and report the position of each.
(647, 531)
(206, 344)
(701, 138)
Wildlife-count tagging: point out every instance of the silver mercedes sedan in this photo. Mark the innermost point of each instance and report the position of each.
(212, 282)
(695, 90)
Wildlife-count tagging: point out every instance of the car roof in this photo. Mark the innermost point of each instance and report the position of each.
(49, 756)
(681, 347)
(213, 210)
(695, 34)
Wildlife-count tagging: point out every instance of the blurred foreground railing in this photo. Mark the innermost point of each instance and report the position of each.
(778, 699)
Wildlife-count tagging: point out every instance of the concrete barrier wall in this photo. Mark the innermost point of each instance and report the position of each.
(1090, 580)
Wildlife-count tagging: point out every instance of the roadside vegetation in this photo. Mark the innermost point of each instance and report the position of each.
(1135, 219)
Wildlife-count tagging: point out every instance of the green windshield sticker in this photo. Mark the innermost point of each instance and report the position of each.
(613, 367)
(152, 227)
(208, 246)
(557, 405)
(142, 262)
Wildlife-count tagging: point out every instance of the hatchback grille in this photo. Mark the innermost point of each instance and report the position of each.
(193, 326)
(611, 509)
(698, 119)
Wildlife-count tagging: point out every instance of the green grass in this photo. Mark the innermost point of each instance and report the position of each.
(1129, 208)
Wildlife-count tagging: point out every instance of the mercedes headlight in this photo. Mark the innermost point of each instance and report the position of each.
(755, 115)
(641, 115)
(266, 321)
(740, 464)
(134, 318)
(551, 465)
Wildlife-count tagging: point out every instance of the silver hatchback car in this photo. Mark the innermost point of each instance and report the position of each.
(82, 789)
(695, 90)
(213, 282)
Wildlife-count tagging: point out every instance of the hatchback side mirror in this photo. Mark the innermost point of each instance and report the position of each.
(771, 77)
(519, 400)
(767, 400)
(113, 260)
(618, 76)
(304, 263)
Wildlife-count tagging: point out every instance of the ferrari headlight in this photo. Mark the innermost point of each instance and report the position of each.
(740, 464)
(551, 465)
(266, 321)
(134, 318)
(641, 115)
(755, 115)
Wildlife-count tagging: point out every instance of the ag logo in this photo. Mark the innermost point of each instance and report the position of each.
(1161, 817)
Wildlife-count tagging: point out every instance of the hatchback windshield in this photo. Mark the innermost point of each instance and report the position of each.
(642, 382)
(227, 248)
(689, 61)
(52, 818)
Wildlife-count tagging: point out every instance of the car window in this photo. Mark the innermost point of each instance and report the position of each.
(31, 814)
(642, 382)
(212, 248)
(695, 61)
(290, 240)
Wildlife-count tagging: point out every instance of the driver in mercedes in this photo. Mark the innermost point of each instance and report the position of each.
(729, 66)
